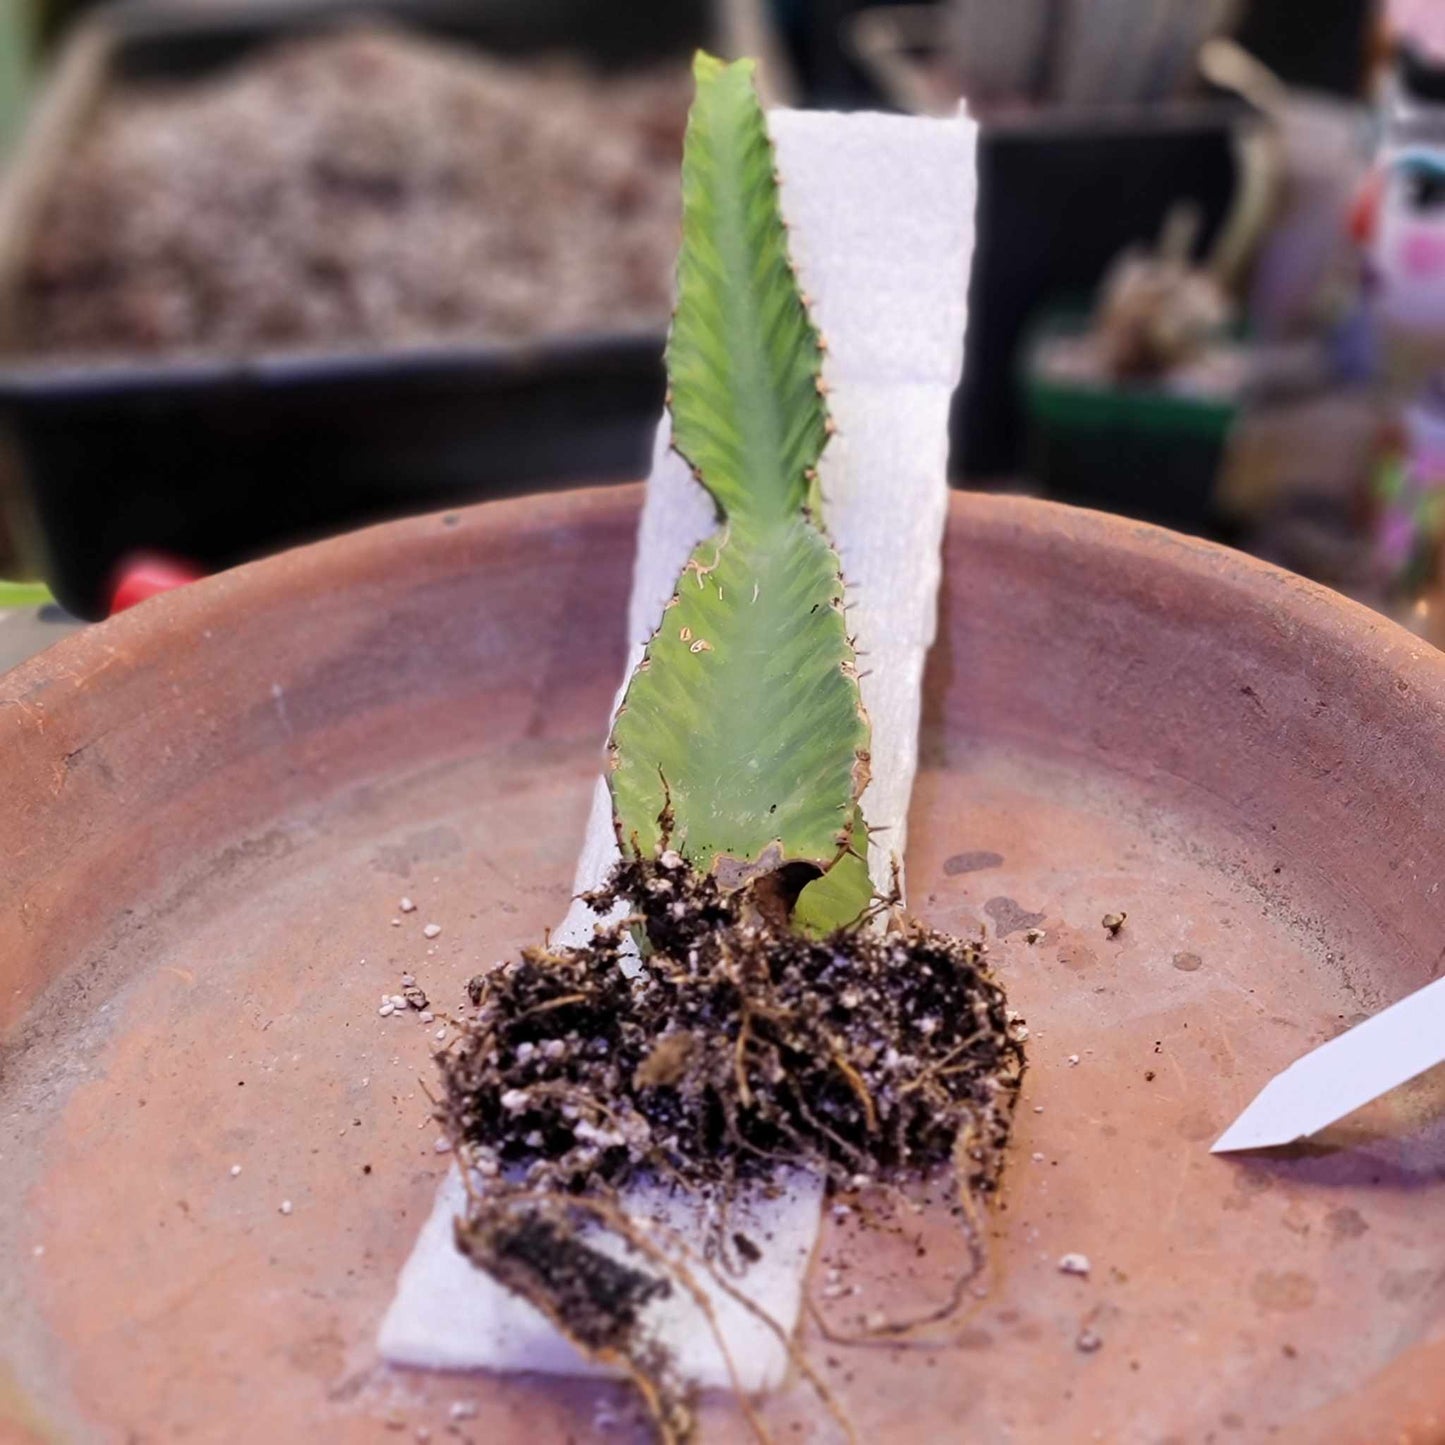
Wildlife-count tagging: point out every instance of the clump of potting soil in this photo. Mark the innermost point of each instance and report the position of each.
(877, 1055)
(357, 188)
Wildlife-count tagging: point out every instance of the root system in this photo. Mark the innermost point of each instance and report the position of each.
(701, 1040)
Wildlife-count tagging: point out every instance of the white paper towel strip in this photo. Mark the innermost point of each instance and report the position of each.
(881, 216)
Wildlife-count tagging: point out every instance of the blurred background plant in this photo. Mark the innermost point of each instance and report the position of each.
(17, 50)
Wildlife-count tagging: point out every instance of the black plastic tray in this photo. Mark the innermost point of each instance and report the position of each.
(219, 460)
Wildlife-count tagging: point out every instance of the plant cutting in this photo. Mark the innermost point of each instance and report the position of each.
(749, 1006)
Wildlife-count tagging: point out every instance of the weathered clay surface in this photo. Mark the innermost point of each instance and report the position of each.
(210, 807)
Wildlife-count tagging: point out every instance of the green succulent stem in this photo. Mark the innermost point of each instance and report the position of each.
(742, 740)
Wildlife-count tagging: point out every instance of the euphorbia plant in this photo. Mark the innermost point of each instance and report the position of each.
(782, 1014)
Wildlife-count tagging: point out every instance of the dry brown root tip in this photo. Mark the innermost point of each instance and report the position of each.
(1113, 922)
(530, 1241)
(601, 1298)
(876, 1056)
(594, 1300)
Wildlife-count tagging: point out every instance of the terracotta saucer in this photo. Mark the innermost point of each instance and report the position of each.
(211, 806)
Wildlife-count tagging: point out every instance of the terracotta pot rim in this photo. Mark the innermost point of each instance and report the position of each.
(1054, 552)
(389, 546)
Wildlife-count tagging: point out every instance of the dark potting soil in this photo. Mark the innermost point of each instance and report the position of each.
(733, 1047)
(366, 187)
